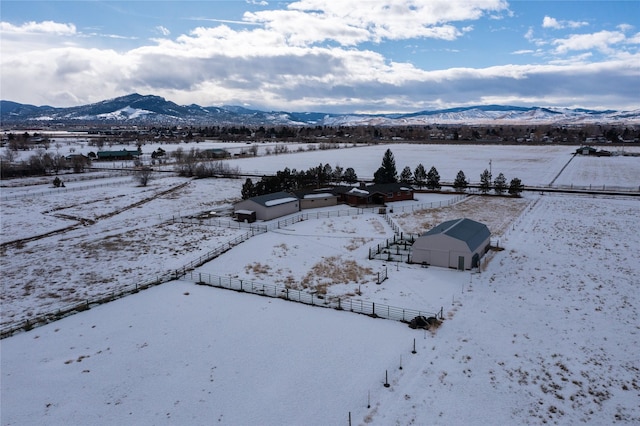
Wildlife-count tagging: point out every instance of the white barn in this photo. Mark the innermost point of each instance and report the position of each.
(269, 206)
(458, 243)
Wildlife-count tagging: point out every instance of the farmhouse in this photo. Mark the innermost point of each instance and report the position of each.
(458, 243)
(378, 194)
(269, 206)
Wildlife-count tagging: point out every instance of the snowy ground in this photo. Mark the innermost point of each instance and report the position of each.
(547, 333)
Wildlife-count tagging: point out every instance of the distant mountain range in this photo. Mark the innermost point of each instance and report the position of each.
(145, 110)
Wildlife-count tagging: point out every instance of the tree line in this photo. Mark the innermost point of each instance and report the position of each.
(291, 180)
(387, 173)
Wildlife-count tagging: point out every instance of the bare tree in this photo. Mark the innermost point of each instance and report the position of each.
(143, 175)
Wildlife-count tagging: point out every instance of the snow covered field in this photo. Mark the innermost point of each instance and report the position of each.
(547, 333)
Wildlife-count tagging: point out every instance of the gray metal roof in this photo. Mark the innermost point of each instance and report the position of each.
(471, 232)
(264, 200)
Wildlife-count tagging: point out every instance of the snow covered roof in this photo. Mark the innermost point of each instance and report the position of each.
(274, 199)
(358, 191)
(280, 201)
(319, 195)
(244, 211)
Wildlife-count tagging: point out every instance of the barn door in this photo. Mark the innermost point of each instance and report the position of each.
(460, 263)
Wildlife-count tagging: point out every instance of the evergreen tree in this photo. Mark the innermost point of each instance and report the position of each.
(433, 179)
(248, 190)
(485, 181)
(337, 174)
(406, 176)
(420, 176)
(515, 187)
(349, 175)
(380, 176)
(387, 172)
(327, 174)
(460, 184)
(500, 184)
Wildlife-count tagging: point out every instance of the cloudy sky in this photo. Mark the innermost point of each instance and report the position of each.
(324, 55)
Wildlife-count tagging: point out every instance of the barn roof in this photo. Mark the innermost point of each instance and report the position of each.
(274, 199)
(471, 232)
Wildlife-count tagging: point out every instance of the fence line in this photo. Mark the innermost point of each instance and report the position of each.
(64, 311)
(426, 206)
(60, 190)
(612, 188)
(372, 309)
(201, 260)
(385, 251)
(366, 308)
(232, 224)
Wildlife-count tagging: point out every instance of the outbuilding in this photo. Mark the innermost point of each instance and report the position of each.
(316, 198)
(269, 206)
(248, 216)
(458, 243)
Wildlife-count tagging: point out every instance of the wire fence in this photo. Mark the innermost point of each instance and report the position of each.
(221, 223)
(364, 307)
(357, 306)
(83, 305)
(59, 191)
(201, 260)
(606, 188)
(426, 206)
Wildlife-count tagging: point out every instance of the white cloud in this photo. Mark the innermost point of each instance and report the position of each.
(258, 3)
(625, 27)
(602, 41)
(307, 58)
(39, 28)
(162, 30)
(634, 39)
(549, 22)
(348, 22)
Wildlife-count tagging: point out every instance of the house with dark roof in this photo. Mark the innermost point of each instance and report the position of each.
(117, 155)
(268, 206)
(374, 194)
(458, 244)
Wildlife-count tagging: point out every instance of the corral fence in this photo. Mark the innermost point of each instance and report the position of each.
(372, 309)
(395, 249)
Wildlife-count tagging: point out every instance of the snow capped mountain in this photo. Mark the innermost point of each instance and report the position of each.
(139, 109)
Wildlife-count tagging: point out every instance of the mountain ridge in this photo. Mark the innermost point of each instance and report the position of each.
(135, 108)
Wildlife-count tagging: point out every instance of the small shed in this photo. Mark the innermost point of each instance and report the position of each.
(458, 243)
(248, 216)
(270, 206)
